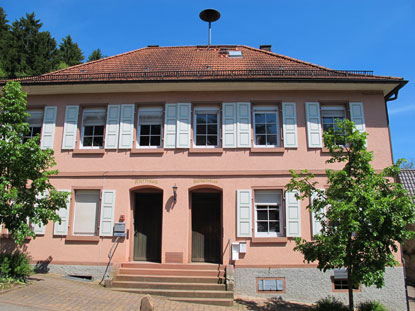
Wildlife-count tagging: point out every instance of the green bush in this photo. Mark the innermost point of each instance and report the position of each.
(371, 306)
(15, 266)
(330, 303)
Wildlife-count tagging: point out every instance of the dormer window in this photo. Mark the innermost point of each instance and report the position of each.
(235, 54)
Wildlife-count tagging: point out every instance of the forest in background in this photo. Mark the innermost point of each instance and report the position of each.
(26, 50)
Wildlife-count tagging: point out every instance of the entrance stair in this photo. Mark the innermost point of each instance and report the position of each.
(195, 283)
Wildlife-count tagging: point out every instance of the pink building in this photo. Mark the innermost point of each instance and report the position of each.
(191, 148)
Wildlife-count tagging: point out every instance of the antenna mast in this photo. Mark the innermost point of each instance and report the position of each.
(209, 15)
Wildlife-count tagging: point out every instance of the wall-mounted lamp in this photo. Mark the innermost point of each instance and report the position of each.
(174, 193)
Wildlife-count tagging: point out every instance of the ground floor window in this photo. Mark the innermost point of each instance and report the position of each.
(86, 217)
(268, 213)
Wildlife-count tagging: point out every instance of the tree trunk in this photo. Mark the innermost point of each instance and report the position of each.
(350, 289)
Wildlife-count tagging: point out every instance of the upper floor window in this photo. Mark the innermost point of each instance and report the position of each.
(149, 128)
(93, 124)
(268, 213)
(329, 116)
(206, 127)
(266, 127)
(35, 123)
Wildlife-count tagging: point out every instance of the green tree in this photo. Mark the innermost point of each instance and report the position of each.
(32, 52)
(5, 41)
(95, 55)
(26, 195)
(69, 52)
(363, 213)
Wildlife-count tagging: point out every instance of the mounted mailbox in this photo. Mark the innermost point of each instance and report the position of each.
(119, 229)
(235, 251)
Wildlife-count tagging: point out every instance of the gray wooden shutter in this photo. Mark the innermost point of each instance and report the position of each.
(289, 117)
(315, 223)
(70, 128)
(112, 127)
(292, 214)
(62, 228)
(126, 127)
(314, 136)
(170, 124)
(107, 213)
(48, 127)
(244, 213)
(229, 125)
(357, 116)
(244, 125)
(183, 125)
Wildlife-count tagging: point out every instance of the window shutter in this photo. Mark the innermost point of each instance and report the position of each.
(315, 224)
(126, 126)
(244, 213)
(289, 117)
(244, 125)
(357, 116)
(229, 125)
(62, 228)
(183, 125)
(70, 128)
(313, 125)
(170, 124)
(292, 213)
(38, 229)
(48, 128)
(107, 212)
(112, 127)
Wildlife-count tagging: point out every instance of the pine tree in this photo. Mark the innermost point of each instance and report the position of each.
(69, 52)
(95, 55)
(5, 41)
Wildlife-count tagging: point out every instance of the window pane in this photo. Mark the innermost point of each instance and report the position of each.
(274, 227)
(93, 117)
(260, 140)
(212, 129)
(88, 130)
(87, 142)
(156, 129)
(212, 140)
(200, 118)
(155, 141)
(327, 127)
(262, 215)
(212, 118)
(262, 226)
(271, 129)
(260, 129)
(271, 118)
(200, 140)
(35, 131)
(259, 118)
(145, 130)
(273, 215)
(201, 129)
(144, 140)
(98, 141)
(99, 130)
(272, 140)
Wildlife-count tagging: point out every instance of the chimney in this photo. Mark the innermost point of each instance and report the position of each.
(265, 47)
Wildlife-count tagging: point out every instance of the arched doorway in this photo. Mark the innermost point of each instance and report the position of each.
(148, 209)
(206, 207)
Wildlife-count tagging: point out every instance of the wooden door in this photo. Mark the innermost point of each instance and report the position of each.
(147, 226)
(206, 227)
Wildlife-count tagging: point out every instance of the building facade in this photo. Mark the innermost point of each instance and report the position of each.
(191, 148)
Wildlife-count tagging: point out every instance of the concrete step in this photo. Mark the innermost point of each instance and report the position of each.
(169, 278)
(178, 272)
(208, 301)
(190, 266)
(169, 285)
(179, 293)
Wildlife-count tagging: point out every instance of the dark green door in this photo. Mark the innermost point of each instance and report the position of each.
(206, 227)
(147, 226)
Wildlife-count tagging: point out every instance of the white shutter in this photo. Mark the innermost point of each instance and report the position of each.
(107, 212)
(313, 125)
(112, 127)
(126, 126)
(70, 128)
(183, 125)
(229, 125)
(48, 128)
(170, 124)
(38, 229)
(62, 228)
(357, 116)
(315, 223)
(292, 214)
(244, 125)
(289, 117)
(244, 213)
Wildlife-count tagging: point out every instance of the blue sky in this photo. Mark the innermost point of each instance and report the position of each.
(374, 35)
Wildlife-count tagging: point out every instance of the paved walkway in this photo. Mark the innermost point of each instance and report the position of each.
(53, 292)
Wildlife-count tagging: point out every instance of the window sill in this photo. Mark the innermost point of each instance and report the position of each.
(276, 240)
(147, 150)
(80, 238)
(267, 150)
(206, 150)
(89, 151)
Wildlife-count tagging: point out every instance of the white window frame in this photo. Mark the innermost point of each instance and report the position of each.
(279, 204)
(39, 111)
(83, 128)
(98, 212)
(267, 109)
(150, 109)
(209, 110)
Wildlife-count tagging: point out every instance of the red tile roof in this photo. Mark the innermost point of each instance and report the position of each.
(407, 179)
(198, 63)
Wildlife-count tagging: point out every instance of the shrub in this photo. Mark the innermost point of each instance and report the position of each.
(330, 303)
(15, 266)
(371, 306)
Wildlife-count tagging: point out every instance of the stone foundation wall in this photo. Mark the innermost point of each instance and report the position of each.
(79, 270)
(309, 285)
